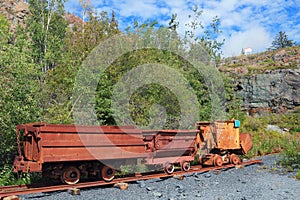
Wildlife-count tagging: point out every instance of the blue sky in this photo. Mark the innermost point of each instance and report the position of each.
(244, 23)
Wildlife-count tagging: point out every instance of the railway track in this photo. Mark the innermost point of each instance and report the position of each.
(7, 191)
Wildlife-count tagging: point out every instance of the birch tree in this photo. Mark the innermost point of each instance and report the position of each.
(46, 26)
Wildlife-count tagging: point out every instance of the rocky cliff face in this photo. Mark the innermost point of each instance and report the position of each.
(267, 82)
(273, 91)
(15, 12)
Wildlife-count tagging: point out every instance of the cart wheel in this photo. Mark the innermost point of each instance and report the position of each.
(234, 159)
(218, 161)
(169, 168)
(186, 166)
(107, 173)
(70, 175)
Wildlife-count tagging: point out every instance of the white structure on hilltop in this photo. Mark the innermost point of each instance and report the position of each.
(247, 51)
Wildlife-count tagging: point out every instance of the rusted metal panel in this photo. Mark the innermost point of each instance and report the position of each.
(95, 139)
(170, 139)
(174, 143)
(219, 134)
(26, 166)
(246, 142)
(65, 128)
(227, 136)
(31, 146)
(170, 145)
(91, 153)
(52, 143)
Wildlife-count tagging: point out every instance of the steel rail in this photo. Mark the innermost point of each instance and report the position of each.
(7, 191)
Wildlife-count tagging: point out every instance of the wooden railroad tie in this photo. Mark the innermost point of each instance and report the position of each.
(14, 197)
(74, 191)
(122, 186)
(179, 177)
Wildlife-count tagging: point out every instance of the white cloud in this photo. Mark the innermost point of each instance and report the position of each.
(256, 38)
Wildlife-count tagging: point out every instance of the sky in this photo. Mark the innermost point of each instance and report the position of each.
(244, 23)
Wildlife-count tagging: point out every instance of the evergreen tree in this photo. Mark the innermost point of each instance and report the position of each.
(281, 41)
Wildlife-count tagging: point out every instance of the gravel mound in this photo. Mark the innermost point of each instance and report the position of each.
(266, 181)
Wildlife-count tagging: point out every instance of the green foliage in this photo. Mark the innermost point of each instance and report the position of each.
(82, 38)
(152, 100)
(298, 175)
(291, 153)
(79, 41)
(289, 121)
(266, 141)
(4, 31)
(281, 41)
(19, 102)
(203, 34)
(46, 26)
(145, 100)
(8, 177)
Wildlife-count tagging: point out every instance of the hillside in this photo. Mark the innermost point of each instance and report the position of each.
(288, 58)
(266, 82)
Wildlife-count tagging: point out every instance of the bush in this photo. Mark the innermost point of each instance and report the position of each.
(298, 175)
(8, 177)
(266, 141)
(291, 154)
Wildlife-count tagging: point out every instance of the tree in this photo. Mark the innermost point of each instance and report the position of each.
(281, 41)
(46, 26)
(19, 91)
(152, 99)
(206, 35)
(79, 42)
(242, 51)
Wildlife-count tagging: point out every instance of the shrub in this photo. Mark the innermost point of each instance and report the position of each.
(8, 177)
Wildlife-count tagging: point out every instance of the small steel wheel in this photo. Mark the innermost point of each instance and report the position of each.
(218, 160)
(70, 175)
(186, 166)
(107, 173)
(234, 159)
(169, 168)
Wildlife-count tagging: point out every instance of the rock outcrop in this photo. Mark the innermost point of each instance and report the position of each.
(15, 12)
(273, 91)
(266, 82)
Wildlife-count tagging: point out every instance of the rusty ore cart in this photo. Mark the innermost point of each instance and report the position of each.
(68, 152)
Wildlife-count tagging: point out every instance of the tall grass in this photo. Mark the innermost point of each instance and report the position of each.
(268, 141)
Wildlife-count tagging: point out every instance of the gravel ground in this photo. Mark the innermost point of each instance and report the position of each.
(266, 181)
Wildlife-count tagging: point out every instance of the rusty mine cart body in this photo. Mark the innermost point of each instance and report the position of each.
(68, 152)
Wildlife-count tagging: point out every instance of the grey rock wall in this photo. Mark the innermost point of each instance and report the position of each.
(272, 91)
